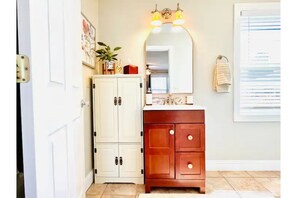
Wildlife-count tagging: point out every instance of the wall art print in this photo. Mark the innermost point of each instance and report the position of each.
(88, 42)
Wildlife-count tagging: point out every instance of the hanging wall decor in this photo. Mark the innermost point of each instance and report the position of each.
(88, 42)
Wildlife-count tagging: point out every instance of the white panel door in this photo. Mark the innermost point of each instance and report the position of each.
(132, 160)
(105, 160)
(130, 109)
(106, 109)
(49, 33)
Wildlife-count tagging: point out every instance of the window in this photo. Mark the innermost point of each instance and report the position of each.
(257, 62)
(159, 83)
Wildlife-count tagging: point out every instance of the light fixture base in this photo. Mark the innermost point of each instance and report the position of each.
(166, 13)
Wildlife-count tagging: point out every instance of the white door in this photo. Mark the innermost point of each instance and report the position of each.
(130, 109)
(132, 158)
(49, 33)
(106, 109)
(107, 160)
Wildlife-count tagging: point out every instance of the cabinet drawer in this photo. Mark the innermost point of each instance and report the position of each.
(173, 116)
(190, 165)
(190, 137)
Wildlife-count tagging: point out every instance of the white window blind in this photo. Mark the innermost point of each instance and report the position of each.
(257, 97)
(159, 84)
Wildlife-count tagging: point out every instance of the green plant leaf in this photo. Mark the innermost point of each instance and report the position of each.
(101, 44)
(117, 48)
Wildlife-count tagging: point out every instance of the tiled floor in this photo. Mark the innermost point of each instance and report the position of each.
(219, 184)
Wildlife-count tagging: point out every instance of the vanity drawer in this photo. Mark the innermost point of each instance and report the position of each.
(190, 165)
(190, 137)
(173, 116)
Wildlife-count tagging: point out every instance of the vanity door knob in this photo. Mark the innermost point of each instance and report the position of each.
(190, 137)
(171, 132)
(190, 166)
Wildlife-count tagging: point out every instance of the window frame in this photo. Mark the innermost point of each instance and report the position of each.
(238, 7)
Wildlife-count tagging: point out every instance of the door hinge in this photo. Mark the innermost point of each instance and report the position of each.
(95, 171)
(141, 133)
(140, 85)
(94, 133)
(141, 171)
(141, 150)
(94, 86)
(95, 150)
(22, 68)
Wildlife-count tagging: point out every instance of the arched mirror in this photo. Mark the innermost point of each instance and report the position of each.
(169, 56)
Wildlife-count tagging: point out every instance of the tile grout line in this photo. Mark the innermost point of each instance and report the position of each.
(232, 187)
(264, 186)
(104, 190)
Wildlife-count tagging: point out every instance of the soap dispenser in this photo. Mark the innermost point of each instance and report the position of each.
(149, 97)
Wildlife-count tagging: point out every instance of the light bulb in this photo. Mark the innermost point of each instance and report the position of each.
(156, 19)
(176, 28)
(179, 18)
(156, 30)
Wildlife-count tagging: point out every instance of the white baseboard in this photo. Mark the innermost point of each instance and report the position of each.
(243, 165)
(89, 180)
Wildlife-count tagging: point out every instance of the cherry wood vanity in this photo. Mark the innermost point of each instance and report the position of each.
(174, 148)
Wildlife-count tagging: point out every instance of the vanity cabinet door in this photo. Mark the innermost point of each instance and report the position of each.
(190, 137)
(159, 151)
(129, 104)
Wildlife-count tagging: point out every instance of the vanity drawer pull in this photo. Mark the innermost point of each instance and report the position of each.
(190, 137)
(171, 132)
(190, 166)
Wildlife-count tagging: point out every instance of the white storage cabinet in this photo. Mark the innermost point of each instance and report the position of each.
(117, 111)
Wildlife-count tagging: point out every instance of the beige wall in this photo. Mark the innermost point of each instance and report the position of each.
(126, 23)
(90, 10)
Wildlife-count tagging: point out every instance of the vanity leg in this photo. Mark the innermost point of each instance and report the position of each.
(202, 190)
(147, 188)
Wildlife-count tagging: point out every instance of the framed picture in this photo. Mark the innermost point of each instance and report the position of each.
(88, 42)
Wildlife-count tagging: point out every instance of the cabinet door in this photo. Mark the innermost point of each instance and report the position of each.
(130, 109)
(105, 110)
(130, 160)
(105, 160)
(159, 150)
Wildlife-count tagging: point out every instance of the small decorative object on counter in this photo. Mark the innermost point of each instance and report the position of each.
(130, 69)
(119, 68)
(149, 97)
(190, 100)
(108, 58)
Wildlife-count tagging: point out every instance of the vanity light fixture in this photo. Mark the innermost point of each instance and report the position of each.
(179, 16)
(166, 14)
(156, 17)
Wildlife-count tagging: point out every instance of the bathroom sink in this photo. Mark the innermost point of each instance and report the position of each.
(173, 107)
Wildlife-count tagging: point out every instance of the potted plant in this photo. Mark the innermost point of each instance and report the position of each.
(107, 55)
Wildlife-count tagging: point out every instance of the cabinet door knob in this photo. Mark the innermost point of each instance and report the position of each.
(121, 161)
(116, 161)
(190, 137)
(171, 132)
(190, 166)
